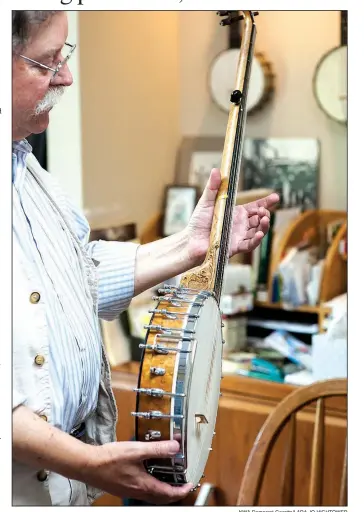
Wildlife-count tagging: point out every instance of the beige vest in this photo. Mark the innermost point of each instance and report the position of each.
(32, 487)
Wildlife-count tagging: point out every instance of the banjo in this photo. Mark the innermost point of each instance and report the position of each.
(181, 367)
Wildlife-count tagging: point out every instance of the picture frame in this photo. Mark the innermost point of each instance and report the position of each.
(179, 204)
(289, 158)
(288, 165)
(196, 157)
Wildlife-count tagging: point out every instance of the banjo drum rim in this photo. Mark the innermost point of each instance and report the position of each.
(178, 466)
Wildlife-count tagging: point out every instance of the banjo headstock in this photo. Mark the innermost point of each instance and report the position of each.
(231, 17)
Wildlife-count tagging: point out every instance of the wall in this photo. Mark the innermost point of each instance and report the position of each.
(130, 101)
(108, 156)
(293, 41)
(64, 132)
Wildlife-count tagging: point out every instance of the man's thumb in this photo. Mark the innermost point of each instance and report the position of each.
(156, 449)
(211, 188)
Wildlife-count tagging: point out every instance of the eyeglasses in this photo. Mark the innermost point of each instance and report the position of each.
(59, 65)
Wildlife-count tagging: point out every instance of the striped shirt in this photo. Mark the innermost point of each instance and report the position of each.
(49, 236)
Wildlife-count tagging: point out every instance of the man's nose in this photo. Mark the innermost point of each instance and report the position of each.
(63, 77)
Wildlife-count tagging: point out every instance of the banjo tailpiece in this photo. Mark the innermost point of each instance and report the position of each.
(178, 387)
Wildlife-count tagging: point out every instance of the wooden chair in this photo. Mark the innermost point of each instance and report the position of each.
(285, 416)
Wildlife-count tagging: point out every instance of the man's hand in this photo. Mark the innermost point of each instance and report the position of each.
(250, 221)
(118, 469)
(160, 260)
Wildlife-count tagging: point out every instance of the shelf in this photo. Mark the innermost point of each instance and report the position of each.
(310, 226)
(303, 309)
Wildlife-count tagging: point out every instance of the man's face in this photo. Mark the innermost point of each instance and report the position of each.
(32, 86)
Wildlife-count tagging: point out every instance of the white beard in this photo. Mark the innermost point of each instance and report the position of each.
(52, 97)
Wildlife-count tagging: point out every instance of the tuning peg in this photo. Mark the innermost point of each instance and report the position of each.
(255, 13)
(223, 13)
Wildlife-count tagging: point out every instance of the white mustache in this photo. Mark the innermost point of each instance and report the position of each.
(52, 97)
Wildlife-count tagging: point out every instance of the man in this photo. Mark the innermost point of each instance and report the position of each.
(64, 413)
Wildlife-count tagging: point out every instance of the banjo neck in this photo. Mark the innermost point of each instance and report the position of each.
(209, 276)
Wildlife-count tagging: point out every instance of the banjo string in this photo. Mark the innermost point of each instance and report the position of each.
(233, 176)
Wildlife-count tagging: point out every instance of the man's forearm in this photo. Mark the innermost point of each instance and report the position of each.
(160, 260)
(38, 444)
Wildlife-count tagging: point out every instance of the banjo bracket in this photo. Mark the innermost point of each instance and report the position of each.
(158, 393)
(162, 349)
(157, 415)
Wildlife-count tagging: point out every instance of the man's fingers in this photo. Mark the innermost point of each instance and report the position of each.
(267, 202)
(137, 450)
(159, 492)
(251, 243)
(264, 225)
(259, 220)
(180, 492)
(254, 221)
(259, 235)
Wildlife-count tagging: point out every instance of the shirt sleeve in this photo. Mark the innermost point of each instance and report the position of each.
(115, 267)
(114, 261)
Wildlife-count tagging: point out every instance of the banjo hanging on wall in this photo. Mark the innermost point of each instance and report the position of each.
(330, 86)
(222, 73)
(179, 380)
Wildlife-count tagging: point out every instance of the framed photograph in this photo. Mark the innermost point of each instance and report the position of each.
(179, 203)
(289, 166)
(196, 157)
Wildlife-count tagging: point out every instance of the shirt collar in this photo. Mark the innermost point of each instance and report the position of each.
(21, 149)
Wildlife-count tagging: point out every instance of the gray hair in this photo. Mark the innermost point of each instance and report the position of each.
(22, 21)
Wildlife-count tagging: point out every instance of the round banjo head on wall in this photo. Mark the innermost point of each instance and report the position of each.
(330, 83)
(222, 74)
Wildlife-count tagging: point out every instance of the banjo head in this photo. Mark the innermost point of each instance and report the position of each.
(179, 382)
(222, 74)
(330, 84)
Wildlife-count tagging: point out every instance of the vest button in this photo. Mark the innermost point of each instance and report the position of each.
(34, 297)
(39, 360)
(42, 475)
